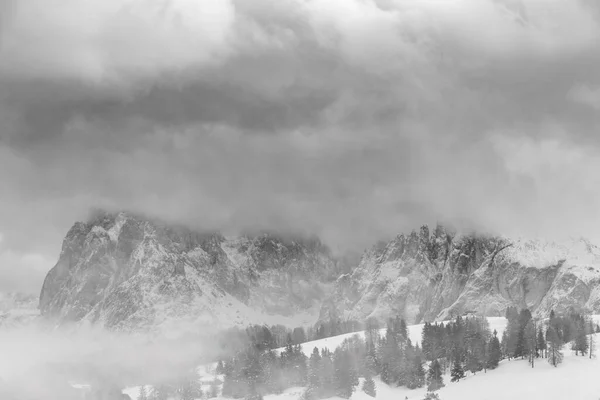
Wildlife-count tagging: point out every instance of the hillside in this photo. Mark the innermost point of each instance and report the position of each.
(575, 378)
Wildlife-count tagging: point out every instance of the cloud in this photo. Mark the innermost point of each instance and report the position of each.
(111, 42)
(21, 271)
(585, 95)
(41, 363)
(353, 119)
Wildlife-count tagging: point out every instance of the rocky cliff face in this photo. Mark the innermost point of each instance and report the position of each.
(127, 272)
(434, 275)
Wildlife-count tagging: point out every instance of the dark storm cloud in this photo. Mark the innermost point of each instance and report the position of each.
(354, 119)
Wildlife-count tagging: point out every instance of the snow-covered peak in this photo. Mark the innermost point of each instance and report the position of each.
(538, 253)
(436, 273)
(128, 272)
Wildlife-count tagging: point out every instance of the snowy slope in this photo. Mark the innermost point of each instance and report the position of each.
(575, 378)
(206, 372)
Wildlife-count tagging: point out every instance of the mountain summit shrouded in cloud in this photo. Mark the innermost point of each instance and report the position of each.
(350, 119)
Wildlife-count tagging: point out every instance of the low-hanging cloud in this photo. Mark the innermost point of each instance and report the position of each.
(353, 119)
(43, 363)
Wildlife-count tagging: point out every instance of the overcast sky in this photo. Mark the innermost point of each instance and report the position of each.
(351, 119)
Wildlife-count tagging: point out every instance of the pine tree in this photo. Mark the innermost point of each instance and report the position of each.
(417, 373)
(511, 333)
(530, 336)
(473, 363)
(403, 330)
(143, 394)
(252, 370)
(159, 392)
(220, 368)
(314, 369)
(541, 343)
(427, 341)
(273, 372)
(404, 366)
(326, 375)
(580, 340)
(371, 339)
(386, 375)
(371, 330)
(494, 353)
(521, 346)
(389, 355)
(457, 372)
(555, 355)
(371, 363)
(369, 386)
(299, 335)
(504, 344)
(345, 378)
(431, 396)
(435, 380)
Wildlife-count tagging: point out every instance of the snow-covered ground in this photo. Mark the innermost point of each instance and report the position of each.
(575, 379)
(206, 372)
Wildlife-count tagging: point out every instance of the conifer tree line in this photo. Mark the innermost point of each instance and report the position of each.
(465, 344)
(256, 371)
(526, 337)
(276, 336)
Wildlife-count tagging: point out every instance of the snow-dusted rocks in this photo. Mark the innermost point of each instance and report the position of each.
(429, 276)
(127, 272)
(130, 273)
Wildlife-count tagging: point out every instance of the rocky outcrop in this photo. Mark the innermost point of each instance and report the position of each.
(430, 276)
(127, 272)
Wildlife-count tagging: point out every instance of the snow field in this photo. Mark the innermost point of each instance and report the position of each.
(577, 378)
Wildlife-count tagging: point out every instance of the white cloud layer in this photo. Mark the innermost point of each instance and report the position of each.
(353, 119)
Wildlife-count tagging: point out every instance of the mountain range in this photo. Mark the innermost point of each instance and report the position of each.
(128, 272)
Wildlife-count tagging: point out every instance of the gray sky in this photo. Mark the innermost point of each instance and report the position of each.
(352, 119)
